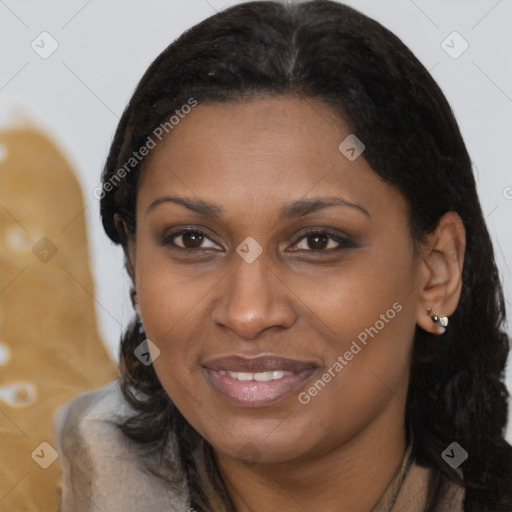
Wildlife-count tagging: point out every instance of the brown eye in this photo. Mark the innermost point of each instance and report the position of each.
(190, 239)
(317, 241)
(320, 241)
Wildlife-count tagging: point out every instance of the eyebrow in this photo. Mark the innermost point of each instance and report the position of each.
(296, 209)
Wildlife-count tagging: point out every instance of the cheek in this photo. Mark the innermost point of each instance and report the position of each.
(169, 294)
(370, 312)
(173, 309)
(367, 372)
(376, 327)
(351, 298)
(168, 303)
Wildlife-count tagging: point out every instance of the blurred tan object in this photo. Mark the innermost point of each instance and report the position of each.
(50, 348)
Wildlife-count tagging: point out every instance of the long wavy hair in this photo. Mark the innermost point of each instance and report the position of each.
(327, 51)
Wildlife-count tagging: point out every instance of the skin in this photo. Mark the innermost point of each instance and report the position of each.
(339, 451)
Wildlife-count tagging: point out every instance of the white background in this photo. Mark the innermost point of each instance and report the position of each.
(78, 94)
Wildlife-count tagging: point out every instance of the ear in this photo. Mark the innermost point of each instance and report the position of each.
(128, 243)
(442, 259)
(135, 301)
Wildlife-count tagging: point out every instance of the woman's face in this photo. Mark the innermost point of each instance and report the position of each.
(285, 316)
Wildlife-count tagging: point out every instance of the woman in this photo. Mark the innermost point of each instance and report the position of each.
(318, 310)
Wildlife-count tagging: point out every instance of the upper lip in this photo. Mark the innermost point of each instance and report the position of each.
(264, 363)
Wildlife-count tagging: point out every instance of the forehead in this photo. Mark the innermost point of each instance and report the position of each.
(257, 153)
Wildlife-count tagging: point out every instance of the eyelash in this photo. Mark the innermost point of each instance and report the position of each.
(344, 242)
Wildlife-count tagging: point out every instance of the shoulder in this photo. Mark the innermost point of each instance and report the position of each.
(100, 466)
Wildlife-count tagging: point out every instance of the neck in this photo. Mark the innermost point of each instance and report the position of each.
(351, 477)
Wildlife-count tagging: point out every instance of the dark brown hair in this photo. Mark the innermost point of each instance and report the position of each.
(328, 51)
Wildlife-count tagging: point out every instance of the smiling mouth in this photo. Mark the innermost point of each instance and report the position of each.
(257, 382)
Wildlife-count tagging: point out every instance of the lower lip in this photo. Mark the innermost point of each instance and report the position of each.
(257, 393)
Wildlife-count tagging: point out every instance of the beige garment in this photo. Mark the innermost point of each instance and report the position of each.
(101, 468)
(407, 491)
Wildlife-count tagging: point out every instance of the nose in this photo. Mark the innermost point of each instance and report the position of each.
(253, 299)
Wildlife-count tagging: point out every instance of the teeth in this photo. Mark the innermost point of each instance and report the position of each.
(263, 376)
(241, 376)
(258, 376)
